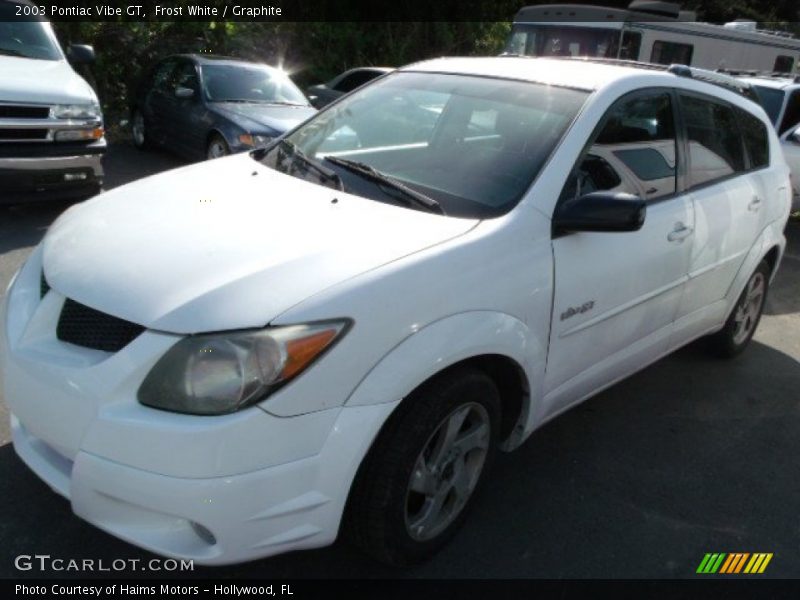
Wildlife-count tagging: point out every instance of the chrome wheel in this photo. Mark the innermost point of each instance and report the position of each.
(748, 310)
(138, 129)
(446, 471)
(217, 149)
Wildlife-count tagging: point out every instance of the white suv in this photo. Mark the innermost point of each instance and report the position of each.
(237, 358)
(780, 97)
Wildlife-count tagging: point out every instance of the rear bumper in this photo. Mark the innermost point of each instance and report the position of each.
(51, 176)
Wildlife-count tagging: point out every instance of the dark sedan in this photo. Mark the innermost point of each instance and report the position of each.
(344, 83)
(208, 106)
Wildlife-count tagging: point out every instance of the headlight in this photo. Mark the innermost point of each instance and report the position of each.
(222, 373)
(77, 111)
(257, 141)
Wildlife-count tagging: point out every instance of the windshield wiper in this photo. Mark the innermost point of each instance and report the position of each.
(10, 52)
(369, 172)
(295, 153)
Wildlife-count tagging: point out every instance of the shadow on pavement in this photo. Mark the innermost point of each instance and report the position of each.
(692, 455)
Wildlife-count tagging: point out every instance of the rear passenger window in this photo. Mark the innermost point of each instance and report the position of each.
(756, 139)
(715, 144)
(634, 152)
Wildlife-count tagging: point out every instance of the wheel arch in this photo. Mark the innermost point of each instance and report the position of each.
(497, 344)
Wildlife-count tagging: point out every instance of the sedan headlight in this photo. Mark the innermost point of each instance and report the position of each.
(77, 111)
(222, 373)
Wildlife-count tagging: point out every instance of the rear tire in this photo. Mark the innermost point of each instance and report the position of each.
(141, 139)
(734, 337)
(414, 488)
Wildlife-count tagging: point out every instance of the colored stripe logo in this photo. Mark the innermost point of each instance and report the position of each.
(734, 563)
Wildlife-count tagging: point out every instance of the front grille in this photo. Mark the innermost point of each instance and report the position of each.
(44, 287)
(90, 328)
(14, 135)
(19, 111)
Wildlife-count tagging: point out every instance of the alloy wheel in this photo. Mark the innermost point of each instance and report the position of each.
(446, 471)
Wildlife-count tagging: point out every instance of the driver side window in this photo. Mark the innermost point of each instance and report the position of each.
(634, 151)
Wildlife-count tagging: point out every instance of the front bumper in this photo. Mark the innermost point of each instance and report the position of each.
(292, 506)
(260, 484)
(51, 173)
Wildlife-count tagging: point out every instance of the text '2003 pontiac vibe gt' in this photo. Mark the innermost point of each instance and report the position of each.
(338, 331)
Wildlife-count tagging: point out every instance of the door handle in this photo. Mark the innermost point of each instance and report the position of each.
(680, 233)
(755, 204)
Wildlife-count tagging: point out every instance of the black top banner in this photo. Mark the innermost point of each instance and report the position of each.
(320, 10)
(258, 10)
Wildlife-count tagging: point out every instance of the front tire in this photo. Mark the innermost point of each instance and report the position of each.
(217, 147)
(734, 337)
(414, 488)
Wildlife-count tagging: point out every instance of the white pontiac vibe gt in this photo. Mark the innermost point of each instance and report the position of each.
(336, 332)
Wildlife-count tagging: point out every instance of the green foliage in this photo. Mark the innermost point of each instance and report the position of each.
(311, 52)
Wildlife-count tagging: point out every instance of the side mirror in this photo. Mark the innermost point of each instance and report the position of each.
(184, 92)
(601, 211)
(80, 54)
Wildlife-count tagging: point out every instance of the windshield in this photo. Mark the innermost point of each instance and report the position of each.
(558, 40)
(243, 83)
(772, 101)
(472, 144)
(26, 39)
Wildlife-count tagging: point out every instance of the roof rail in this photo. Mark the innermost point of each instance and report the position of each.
(679, 70)
(756, 73)
(718, 78)
(617, 62)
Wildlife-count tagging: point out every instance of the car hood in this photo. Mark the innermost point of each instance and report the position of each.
(225, 244)
(42, 81)
(276, 117)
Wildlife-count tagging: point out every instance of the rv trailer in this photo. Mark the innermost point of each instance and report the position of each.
(650, 31)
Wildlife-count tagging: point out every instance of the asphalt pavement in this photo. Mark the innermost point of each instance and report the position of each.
(691, 455)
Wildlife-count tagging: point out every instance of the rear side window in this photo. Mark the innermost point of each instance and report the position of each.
(715, 144)
(161, 76)
(669, 53)
(756, 139)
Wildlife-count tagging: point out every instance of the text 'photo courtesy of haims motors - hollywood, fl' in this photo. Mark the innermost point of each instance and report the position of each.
(320, 299)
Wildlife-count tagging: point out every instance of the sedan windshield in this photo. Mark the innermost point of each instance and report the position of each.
(467, 146)
(257, 84)
(25, 38)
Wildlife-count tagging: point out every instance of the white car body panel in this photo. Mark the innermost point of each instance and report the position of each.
(233, 235)
(231, 244)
